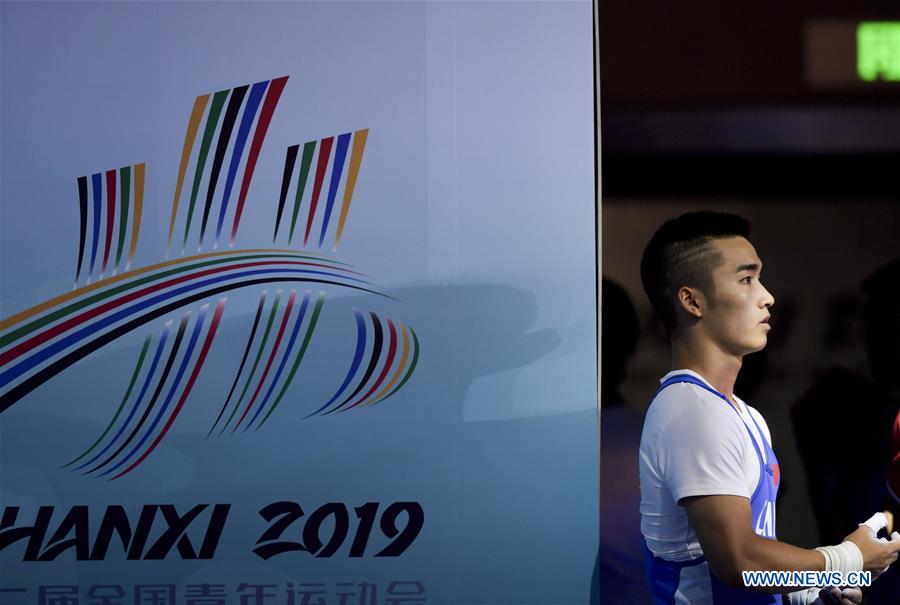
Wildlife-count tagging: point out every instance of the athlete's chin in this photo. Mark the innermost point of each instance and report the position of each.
(754, 346)
(759, 345)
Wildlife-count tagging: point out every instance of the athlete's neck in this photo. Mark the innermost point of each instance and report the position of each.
(718, 368)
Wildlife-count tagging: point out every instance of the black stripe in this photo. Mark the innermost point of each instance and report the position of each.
(82, 207)
(289, 161)
(234, 104)
(262, 302)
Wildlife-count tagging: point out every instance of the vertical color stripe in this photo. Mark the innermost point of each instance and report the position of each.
(212, 120)
(110, 214)
(138, 209)
(321, 166)
(97, 190)
(189, 136)
(262, 379)
(259, 352)
(217, 316)
(134, 375)
(137, 402)
(289, 160)
(82, 214)
(400, 366)
(262, 126)
(359, 146)
(179, 336)
(124, 195)
(234, 105)
(259, 309)
(340, 154)
(306, 338)
(377, 343)
(392, 351)
(308, 149)
(256, 93)
(354, 365)
(287, 353)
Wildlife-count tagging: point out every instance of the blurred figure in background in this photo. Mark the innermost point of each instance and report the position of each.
(843, 428)
(621, 565)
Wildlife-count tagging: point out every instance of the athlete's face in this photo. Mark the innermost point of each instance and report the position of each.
(737, 311)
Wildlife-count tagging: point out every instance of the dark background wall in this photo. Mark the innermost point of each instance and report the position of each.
(711, 105)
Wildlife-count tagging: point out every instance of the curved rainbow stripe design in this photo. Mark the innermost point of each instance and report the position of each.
(325, 159)
(40, 342)
(398, 338)
(139, 435)
(224, 126)
(103, 211)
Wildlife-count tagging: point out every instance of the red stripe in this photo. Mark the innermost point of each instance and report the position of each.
(392, 350)
(72, 322)
(284, 321)
(187, 389)
(110, 213)
(321, 166)
(272, 96)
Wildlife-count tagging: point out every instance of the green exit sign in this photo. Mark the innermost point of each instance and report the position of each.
(878, 51)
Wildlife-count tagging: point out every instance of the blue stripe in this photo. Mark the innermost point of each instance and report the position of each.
(175, 384)
(98, 195)
(44, 354)
(287, 353)
(256, 94)
(340, 155)
(357, 359)
(140, 397)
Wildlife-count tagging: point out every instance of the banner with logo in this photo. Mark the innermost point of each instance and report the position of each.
(298, 303)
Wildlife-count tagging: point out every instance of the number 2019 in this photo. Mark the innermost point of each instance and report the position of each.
(281, 515)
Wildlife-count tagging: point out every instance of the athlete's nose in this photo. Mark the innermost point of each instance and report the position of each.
(767, 300)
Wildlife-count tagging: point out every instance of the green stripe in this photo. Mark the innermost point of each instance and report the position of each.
(308, 150)
(26, 329)
(125, 193)
(134, 376)
(211, 121)
(412, 367)
(259, 353)
(309, 331)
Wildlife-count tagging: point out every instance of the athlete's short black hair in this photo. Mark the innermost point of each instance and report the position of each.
(680, 254)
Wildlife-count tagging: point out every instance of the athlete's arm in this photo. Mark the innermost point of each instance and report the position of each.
(725, 529)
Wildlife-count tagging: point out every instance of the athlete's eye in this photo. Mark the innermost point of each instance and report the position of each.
(747, 279)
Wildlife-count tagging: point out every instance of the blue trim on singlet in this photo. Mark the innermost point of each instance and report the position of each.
(678, 378)
(664, 576)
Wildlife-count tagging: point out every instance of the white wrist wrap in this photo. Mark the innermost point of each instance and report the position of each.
(807, 596)
(845, 557)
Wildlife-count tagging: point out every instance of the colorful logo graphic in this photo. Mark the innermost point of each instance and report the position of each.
(187, 294)
(118, 185)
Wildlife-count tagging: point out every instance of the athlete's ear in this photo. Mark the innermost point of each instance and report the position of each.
(691, 300)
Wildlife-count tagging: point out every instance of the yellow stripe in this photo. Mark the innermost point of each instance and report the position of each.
(359, 146)
(399, 371)
(23, 315)
(189, 136)
(138, 207)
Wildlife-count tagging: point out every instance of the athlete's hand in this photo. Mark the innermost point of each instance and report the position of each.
(878, 554)
(838, 596)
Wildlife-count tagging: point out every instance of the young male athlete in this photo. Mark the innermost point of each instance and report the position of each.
(708, 473)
